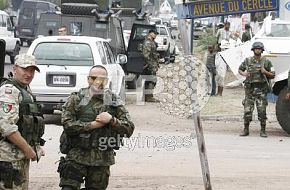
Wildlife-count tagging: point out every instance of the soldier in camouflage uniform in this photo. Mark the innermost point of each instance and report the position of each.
(257, 70)
(94, 123)
(21, 125)
(151, 66)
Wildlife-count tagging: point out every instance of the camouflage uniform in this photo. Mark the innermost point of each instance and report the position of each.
(151, 57)
(89, 158)
(256, 89)
(12, 160)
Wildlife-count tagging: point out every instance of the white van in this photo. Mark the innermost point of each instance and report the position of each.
(7, 33)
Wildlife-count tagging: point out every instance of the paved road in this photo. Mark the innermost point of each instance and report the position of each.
(173, 162)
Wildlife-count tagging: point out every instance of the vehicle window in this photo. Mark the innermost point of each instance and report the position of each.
(110, 55)
(280, 30)
(140, 33)
(27, 13)
(40, 8)
(76, 28)
(58, 53)
(162, 31)
(102, 52)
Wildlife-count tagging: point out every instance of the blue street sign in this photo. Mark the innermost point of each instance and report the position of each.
(199, 9)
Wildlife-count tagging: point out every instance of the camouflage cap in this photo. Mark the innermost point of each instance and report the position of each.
(24, 61)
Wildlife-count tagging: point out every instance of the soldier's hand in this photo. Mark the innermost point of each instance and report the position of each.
(104, 117)
(96, 124)
(287, 97)
(29, 153)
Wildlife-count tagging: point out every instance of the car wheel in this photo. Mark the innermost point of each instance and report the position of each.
(78, 9)
(283, 110)
(29, 42)
(79, 1)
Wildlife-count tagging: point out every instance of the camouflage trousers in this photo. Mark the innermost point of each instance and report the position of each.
(14, 175)
(151, 80)
(255, 94)
(73, 174)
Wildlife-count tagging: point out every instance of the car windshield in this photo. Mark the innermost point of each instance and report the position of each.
(161, 31)
(280, 30)
(59, 53)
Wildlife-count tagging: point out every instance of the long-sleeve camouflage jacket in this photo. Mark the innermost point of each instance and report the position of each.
(73, 125)
(150, 54)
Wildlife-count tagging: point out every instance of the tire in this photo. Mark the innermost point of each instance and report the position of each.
(78, 9)
(29, 42)
(283, 110)
(79, 1)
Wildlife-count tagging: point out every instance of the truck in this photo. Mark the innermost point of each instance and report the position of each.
(107, 21)
(28, 18)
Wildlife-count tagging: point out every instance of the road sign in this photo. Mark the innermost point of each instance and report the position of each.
(199, 9)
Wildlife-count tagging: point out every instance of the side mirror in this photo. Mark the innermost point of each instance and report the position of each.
(121, 59)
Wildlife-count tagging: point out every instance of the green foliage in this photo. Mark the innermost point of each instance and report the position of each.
(207, 39)
(3, 4)
(200, 45)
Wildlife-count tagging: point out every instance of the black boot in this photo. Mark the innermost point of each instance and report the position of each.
(263, 131)
(246, 130)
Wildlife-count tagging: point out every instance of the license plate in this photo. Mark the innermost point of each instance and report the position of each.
(60, 80)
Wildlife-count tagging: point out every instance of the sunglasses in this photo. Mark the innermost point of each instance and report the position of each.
(102, 79)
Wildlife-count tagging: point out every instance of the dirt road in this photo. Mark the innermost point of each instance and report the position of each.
(163, 154)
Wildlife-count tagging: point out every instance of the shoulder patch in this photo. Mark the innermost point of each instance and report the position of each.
(6, 107)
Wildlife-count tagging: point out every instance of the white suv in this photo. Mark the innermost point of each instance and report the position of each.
(64, 63)
(166, 43)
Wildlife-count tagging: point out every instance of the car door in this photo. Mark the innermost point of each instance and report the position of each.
(115, 71)
(135, 61)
